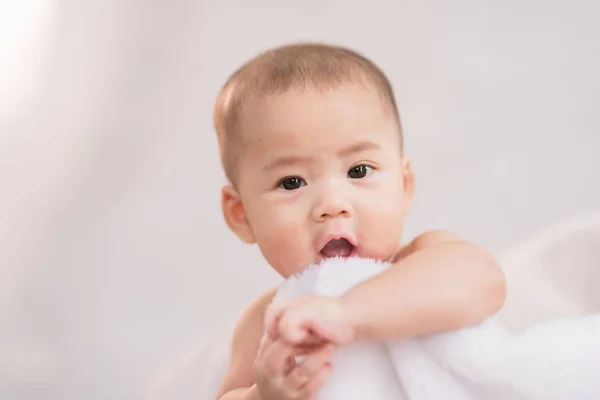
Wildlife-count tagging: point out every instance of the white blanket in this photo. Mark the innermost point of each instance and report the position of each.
(557, 360)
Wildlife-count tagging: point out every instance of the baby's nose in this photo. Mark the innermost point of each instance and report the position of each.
(332, 205)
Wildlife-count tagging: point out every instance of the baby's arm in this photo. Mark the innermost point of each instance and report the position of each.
(438, 283)
(238, 383)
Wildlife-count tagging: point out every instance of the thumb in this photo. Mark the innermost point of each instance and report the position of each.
(329, 331)
(273, 315)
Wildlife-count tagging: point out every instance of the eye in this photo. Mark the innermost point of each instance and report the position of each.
(359, 171)
(292, 183)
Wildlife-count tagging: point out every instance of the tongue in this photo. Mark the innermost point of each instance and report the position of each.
(337, 248)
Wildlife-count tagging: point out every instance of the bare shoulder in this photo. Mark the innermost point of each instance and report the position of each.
(246, 341)
(425, 240)
(434, 237)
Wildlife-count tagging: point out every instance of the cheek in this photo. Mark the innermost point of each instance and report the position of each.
(281, 237)
(382, 220)
(381, 233)
(386, 196)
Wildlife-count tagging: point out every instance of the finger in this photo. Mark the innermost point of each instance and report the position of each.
(327, 332)
(294, 329)
(308, 368)
(317, 382)
(307, 348)
(272, 317)
(300, 353)
(304, 334)
(276, 358)
(265, 341)
(311, 337)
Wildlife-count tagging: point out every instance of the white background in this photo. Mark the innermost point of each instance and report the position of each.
(113, 252)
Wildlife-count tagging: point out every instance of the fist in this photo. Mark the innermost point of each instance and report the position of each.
(279, 376)
(310, 320)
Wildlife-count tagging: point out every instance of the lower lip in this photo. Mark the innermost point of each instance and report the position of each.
(353, 253)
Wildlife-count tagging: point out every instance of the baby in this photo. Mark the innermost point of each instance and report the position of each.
(311, 143)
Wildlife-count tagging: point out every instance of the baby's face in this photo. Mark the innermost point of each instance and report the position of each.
(322, 175)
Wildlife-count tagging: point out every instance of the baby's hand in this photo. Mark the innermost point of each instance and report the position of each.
(279, 377)
(310, 320)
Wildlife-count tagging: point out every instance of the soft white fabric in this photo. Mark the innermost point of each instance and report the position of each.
(556, 360)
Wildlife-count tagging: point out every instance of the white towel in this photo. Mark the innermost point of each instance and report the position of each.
(556, 360)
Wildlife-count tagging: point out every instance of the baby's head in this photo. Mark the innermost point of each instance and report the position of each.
(311, 143)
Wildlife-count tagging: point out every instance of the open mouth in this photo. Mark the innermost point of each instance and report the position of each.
(338, 248)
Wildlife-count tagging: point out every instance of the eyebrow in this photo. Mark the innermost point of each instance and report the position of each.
(295, 160)
(285, 161)
(358, 147)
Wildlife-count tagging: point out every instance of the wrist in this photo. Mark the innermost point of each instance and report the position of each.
(353, 314)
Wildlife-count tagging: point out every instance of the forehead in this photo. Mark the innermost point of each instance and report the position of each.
(310, 121)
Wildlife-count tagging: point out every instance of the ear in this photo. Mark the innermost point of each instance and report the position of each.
(408, 183)
(235, 214)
